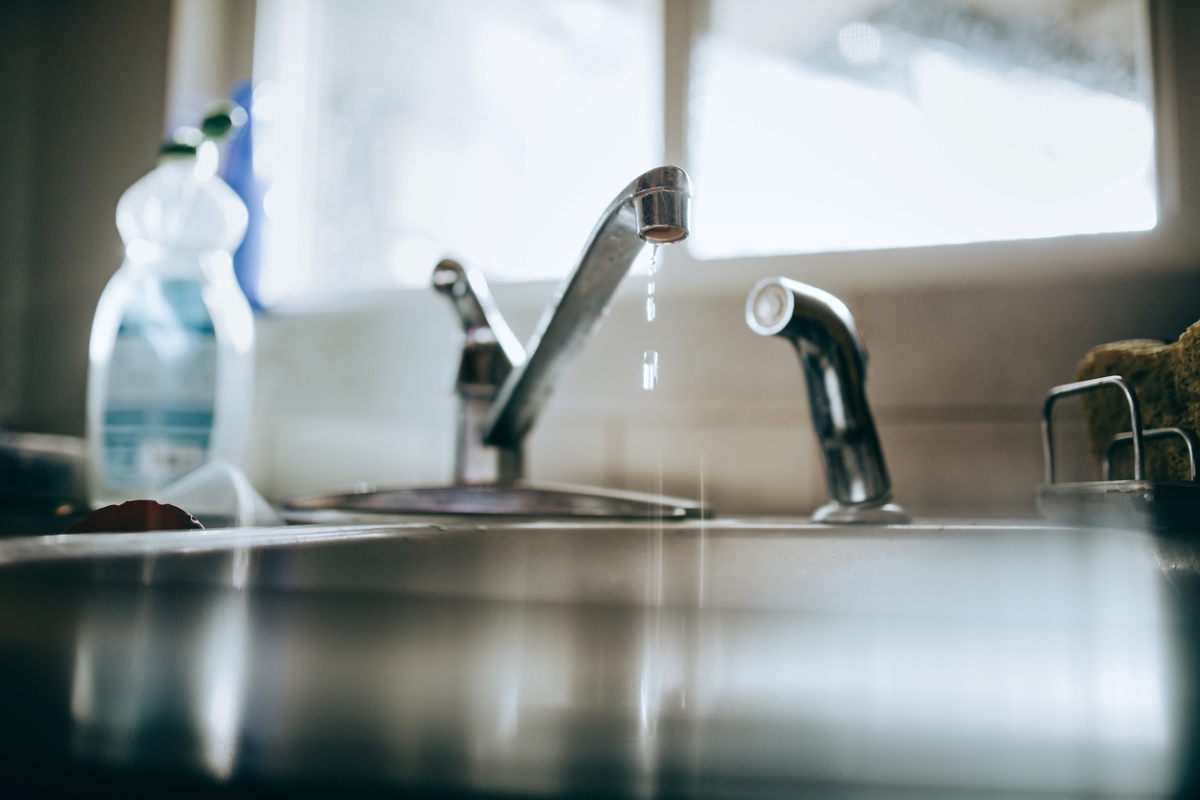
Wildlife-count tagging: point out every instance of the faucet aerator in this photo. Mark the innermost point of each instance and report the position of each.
(664, 211)
(663, 234)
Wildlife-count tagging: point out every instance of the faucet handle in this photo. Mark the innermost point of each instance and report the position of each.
(450, 279)
(491, 349)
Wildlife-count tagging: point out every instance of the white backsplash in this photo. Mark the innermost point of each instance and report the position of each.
(956, 380)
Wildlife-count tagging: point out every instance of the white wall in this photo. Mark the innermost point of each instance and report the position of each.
(956, 380)
(82, 86)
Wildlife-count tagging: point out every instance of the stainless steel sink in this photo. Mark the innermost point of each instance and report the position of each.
(710, 659)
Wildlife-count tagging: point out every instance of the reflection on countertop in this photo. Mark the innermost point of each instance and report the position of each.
(710, 659)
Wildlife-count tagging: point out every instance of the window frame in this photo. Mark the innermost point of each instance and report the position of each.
(1168, 247)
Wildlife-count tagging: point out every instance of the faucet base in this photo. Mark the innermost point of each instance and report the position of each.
(546, 500)
(862, 514)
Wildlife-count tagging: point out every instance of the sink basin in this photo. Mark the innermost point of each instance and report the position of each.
(694, 658)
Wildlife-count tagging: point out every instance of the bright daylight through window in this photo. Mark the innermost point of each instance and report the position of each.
(873, 124)
(393, 133)
(494, 131)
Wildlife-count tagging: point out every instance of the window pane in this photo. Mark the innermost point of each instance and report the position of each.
(492, 131)
(872, 124)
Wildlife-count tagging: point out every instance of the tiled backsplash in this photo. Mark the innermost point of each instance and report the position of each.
(956, 380)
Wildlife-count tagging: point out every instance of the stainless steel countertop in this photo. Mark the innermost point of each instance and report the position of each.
(720, 659)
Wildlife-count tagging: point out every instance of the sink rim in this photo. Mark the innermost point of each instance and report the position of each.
(72, 546)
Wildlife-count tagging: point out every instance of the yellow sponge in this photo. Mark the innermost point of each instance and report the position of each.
(1166, 378)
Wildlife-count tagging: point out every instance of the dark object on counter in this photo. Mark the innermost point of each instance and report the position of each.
(135, 516)
(35, 518)
(43, 483)
(44, 468)
(1166, 377)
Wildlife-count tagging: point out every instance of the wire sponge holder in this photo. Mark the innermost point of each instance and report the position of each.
(1163, 506)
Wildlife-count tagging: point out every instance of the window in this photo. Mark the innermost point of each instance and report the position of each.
(390, 134)
(398, 132)
(920, 122)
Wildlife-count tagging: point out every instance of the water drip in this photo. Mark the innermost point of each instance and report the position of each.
(650, 358)
(650, 370)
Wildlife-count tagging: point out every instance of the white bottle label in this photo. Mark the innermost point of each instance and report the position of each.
(162, 382)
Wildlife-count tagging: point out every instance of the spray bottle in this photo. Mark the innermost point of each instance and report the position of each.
(171, 358)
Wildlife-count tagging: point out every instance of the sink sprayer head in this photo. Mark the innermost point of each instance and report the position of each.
(834, 360)
(797, 311)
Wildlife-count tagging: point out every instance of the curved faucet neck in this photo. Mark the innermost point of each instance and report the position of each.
(654, 208)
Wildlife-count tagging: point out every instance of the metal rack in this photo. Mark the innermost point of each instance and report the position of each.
(1159, 505)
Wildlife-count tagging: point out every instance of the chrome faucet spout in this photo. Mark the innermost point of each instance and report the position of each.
(834, 359)
(654, 208)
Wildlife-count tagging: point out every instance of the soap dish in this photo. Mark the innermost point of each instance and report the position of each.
(1162, 506)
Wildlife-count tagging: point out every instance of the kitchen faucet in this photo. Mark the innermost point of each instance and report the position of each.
(834, 359)
(502, 386)
(501, 389)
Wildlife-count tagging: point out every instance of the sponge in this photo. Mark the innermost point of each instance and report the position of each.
(1166, 378)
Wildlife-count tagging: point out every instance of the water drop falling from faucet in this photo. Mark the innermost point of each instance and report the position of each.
(650, 357)
(650, 310)
(650, 370)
